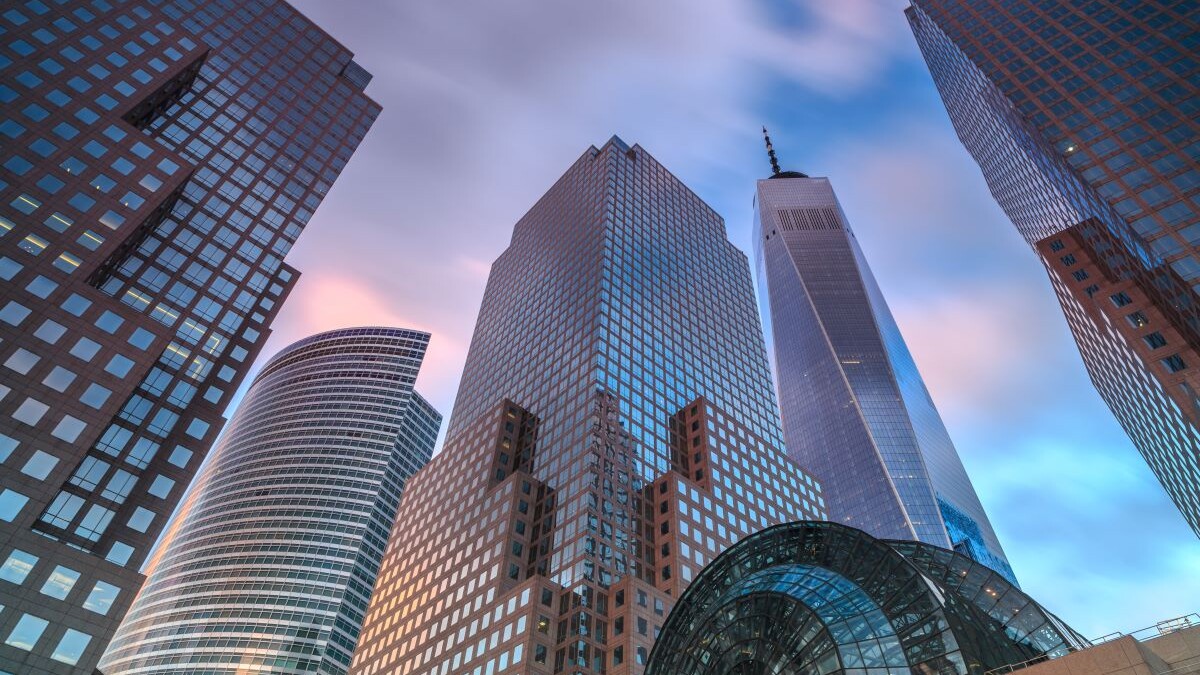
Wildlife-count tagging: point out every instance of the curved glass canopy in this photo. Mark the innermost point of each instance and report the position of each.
(819, 598)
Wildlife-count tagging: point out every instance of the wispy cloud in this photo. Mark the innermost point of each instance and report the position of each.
(486, 103)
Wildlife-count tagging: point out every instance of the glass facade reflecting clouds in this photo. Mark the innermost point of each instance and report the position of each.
(159, 159)
(855, 410)
(811, 598)
(615, 430)
(1085, 120)
(270, 563)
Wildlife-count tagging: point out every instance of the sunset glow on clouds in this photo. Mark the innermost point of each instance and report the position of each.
(485, 104)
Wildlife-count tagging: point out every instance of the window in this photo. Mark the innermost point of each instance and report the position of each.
(94, 522)
(119, 486)
(1137, 320)
(1120, 299)
(11, 503)
(60, 583)
(39, 465)
(141, 519)
(31, 411)
(95, 396)
(1155, 340)
(8, 444)
(85, 349)
(18, 566)
(22, 361)
(59, 379)
(62, 510)
(27, 632)
(1173, 363)
(120, 553)
(119, 366)
(14, 313)
(101, 598)
(70, 647)
(90, 473)
(50, 331)
(109, 322)
(69, 428)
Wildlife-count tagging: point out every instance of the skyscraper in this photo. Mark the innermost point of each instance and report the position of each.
(1084, 119)
(270, 563)
(160, 158)
(855, 410)
(614, 431)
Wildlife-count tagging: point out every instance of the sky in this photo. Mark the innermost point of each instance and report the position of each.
(486, 102)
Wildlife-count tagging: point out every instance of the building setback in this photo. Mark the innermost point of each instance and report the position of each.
(615, 430)
(271, 560)
(855, 409)
(160, 158)
(1085, 120)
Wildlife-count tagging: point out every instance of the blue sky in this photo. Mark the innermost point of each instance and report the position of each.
(486, 103)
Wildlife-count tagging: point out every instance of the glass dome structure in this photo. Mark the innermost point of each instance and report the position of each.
(820, 598)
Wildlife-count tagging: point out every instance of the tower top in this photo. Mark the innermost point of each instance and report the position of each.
(776, 172)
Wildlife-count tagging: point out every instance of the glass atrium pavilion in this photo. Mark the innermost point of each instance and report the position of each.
(819, 598)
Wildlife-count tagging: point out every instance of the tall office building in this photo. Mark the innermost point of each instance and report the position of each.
(614, 431)
(1085, 119)
(159, 160)
(270, 563)
(855, 410)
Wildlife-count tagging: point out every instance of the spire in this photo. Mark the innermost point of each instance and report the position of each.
(771, 153)
(776, 172)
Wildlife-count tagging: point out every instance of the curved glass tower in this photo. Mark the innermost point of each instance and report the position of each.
(271, 561)
(819, 598)
(855, 409)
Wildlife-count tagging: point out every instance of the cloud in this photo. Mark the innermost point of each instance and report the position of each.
(485, 104)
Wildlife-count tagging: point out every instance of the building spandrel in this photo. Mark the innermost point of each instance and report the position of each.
(159, 160)
(855, 409)
(1083, 121)
(615, 430)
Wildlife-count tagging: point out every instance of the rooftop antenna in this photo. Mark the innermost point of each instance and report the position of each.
(771, 153)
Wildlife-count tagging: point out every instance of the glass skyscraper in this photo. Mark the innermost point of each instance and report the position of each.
(270, 563)
(615, 430)
(855, 409)
(1085, 120)
(159, 159)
